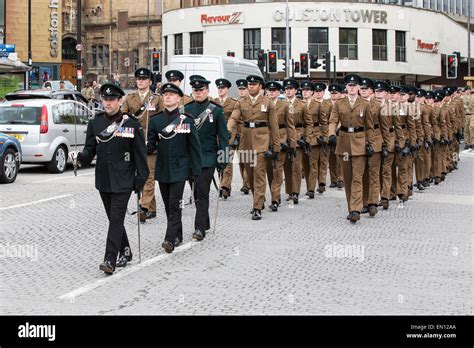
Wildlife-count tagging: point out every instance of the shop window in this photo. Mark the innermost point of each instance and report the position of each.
(318, 41)
(196, 43)
(400, 46)
(279, 41)
(379, 44)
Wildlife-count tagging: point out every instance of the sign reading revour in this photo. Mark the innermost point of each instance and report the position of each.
(332, 15)
(430, 47)
(234, 18)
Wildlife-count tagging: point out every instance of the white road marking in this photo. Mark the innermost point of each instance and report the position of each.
(62, 177)
(120, 274)
(35, 202)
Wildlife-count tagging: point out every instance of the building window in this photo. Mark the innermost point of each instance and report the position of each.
(379, 44)
(459, 7)
(439, 6)
(69, 49)
(400, 46)
(433, 4)
(136, 60)
(347, 43)
(279, 41)
(318, 39)
(196, 45)
(178, 44)
(115, 61)
(100, 56)
(252, 43)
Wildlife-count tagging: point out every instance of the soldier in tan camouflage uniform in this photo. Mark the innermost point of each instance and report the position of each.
(468, 101)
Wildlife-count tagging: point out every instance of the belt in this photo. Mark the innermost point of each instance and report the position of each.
(282, 126)
(352, 129)
(255, 124)
(299, 125)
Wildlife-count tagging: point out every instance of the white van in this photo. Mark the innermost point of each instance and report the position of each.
(212, 68)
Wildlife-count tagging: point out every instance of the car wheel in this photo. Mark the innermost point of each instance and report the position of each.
(9, 167)
(59, 160)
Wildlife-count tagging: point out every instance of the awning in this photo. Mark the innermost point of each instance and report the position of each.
(11, 66)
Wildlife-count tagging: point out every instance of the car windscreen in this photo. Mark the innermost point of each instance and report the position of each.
(20, 115)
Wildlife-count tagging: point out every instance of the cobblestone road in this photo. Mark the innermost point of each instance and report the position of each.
(412, 259)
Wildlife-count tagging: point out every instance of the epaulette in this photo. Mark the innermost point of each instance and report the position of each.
(215, 103)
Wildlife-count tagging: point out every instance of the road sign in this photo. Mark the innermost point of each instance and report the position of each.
(79, 74)
(468, 78)
(79, 47)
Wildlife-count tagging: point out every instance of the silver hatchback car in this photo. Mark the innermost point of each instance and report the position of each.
(46, 128)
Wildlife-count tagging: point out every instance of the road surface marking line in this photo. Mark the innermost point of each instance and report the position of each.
(35, 202)
(123, 273)
(63, 177)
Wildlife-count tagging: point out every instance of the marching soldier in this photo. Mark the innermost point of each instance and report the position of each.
(419, 135)
(287, 135)
(304, 128)
(468, 100)
(214, 139)
(451, 130)
(118, 141)
(227, 104)
(144, 104)
(174, 137)
(435, 136)
(317, 140)
(371, 178)
(176, 77)
(335, 169)
(257, 112)
(423, 162)
(356, 132)
(407, 142)
(391, 133)
(440, 137)
(243, 92)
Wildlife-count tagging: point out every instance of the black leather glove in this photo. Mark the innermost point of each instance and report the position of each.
(384, 152)
(449, 142)
(397, 147)
(426, 144)
(417, 146)
(442, 141)
(293, 151)
(193, 178)
(408, 143)
(150, 148)
(268, 154)
(321, 141)
(406, 151)
(369, 150)
(275, 156)
(332, 140)
(220, 169)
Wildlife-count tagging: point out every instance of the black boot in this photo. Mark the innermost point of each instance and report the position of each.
(257, 214)
(274, 206)
(125, 256)
(107, 267)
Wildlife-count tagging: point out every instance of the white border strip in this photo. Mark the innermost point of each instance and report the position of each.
(122, 273)
(35, 202)
(61, 178)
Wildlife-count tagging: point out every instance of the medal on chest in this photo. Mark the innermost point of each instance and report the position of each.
(361, 113)
(263, 108)
(125, 132)
(182, 127)
(209, 113)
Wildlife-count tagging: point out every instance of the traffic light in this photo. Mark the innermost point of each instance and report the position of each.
(272, 61)
(304, 63)
(297, 67)
(327, 63)
(451, 66)
(230, 54)
(261, 60)
(155, 61)
(284, 66)
(314, 62)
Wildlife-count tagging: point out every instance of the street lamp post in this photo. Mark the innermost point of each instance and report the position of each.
(469, 38)
(287, 41)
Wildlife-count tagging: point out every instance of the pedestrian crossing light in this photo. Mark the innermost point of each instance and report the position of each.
(230, 54)
(272, 62)
(451, 66)
(304, 64)
(314, 62)
(327, 63)
(155, 61)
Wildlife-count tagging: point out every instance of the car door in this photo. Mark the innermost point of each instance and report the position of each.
(83, 115)
(68, 121)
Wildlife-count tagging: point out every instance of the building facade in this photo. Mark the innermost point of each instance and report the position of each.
(116, 38)
(403, 44)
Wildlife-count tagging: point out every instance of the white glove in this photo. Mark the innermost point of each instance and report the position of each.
(73, 156)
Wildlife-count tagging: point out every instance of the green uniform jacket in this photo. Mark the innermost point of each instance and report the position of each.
(179, 157)
(121, 162)
(213, 136)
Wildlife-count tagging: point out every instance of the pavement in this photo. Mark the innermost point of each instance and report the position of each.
(415, 258)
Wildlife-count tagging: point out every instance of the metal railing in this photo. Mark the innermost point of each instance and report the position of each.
(400, 54)
(196, 50)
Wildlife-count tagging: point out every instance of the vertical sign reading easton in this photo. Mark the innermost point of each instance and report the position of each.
(53, 28)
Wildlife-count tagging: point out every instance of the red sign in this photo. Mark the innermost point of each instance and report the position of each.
(234, 18)
(430, 47)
